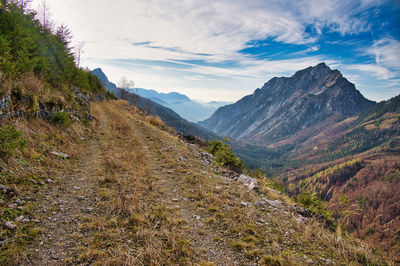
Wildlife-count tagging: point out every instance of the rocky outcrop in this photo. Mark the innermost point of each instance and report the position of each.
(46, 110)
(286, 105)
(111, 87)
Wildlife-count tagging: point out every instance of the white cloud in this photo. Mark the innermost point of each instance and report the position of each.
(214, 27)
(188, 29)
(387, 53)
(375, 70)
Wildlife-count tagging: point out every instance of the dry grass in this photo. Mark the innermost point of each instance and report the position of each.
(388, 123)
(370, 127)
(154, 209)
(27, 174)
(153, 234)
(156, 121)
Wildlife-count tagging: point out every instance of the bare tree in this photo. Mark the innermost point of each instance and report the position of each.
(124, 94)
(78, 52)
(135, 97)
(125, 86)
(149, 107)
(123, 83)
(45, 15)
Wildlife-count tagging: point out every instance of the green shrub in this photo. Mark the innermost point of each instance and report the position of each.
(312, 202)
(10, 141)
(223, 154)
(270, 260)
(61, 118)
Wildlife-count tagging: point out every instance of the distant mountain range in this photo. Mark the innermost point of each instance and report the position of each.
(187, 108)
(169, 116)
(287, 105)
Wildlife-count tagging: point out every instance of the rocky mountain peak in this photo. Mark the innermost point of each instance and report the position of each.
(286, 105)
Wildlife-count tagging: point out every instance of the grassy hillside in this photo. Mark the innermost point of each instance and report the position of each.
(351, 164)
(357, 173)
(133, 193)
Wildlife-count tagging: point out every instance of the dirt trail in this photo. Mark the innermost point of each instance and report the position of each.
(173, 186)
(62, 208)
(73, 196)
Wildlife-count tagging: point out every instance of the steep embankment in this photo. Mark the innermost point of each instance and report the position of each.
(133, 193)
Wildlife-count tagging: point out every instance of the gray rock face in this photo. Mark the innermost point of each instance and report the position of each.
(46, 110)
(251, 183)
(274, 203)
(284, 106)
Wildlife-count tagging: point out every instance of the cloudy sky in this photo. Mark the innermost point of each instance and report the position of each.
(225, 49)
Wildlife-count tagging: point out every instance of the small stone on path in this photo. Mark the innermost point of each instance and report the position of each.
(10, 225)
(60, 154)
(19, 218)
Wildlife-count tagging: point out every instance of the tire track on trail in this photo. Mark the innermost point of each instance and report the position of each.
(63, 207)
(170, 162)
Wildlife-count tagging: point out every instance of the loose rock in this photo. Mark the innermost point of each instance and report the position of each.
(5, 189)
(19, 218)
(60, 154)
(274, 203)
(12, 206)
(10, 225)
(251, 183)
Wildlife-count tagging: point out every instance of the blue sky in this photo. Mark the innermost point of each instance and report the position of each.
(225, 49)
